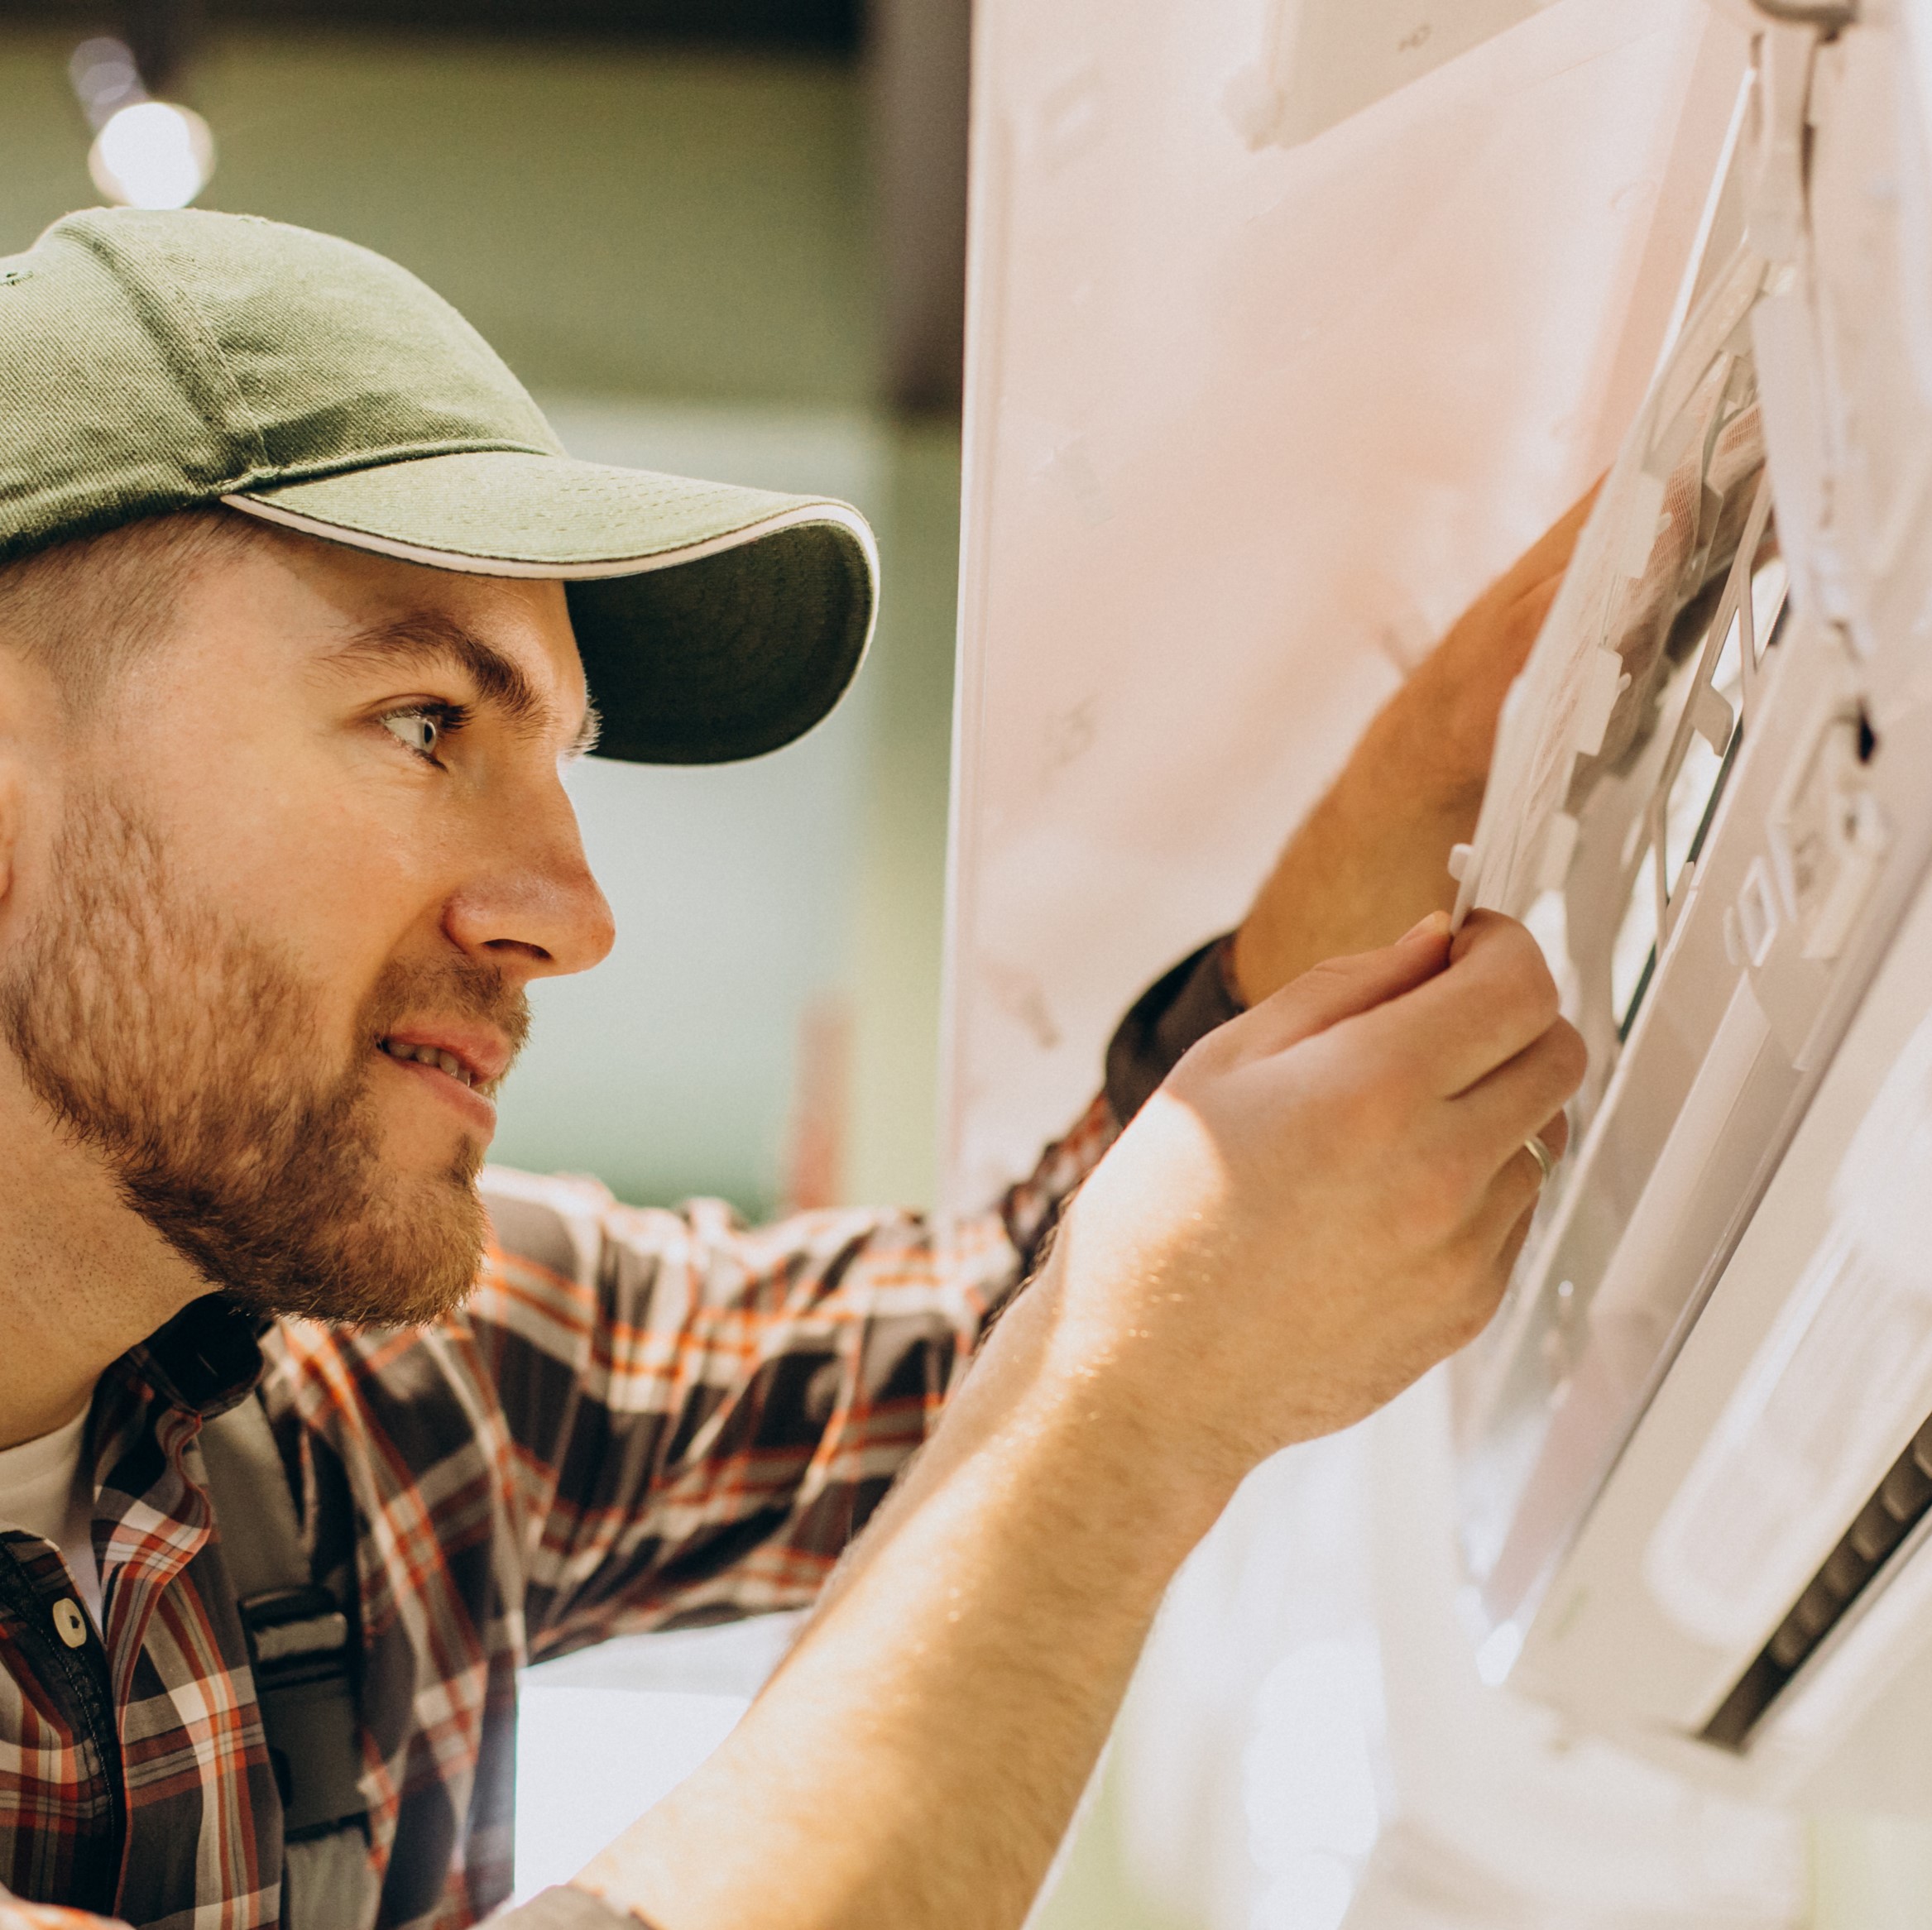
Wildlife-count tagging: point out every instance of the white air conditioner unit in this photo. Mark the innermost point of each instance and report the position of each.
(1694, 1450)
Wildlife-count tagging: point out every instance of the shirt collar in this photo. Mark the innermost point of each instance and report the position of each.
(206, 1359)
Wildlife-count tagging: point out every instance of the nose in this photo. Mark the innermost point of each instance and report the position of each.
(533, 909)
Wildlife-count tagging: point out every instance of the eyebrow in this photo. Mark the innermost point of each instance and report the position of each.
(425, 638)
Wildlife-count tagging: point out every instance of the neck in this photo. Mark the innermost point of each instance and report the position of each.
(82, 1277)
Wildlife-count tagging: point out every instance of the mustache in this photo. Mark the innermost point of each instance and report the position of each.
(463, 989)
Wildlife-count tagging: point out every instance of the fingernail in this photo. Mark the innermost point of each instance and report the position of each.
(1436, 923)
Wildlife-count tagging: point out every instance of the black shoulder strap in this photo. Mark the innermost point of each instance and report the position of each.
(299, 1647)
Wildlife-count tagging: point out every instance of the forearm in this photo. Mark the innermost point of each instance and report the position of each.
(1323, 1199)
(857, 1323)
(1370, 860)
(1373, 856)
(918, 1758)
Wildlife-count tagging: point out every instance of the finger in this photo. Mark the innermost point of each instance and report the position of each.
(1502, 1219)
(1495, 998)
(1494, 1243)
(1342, 988)
(1553, 1135)
(1512, 1251)
(1515, 1101)
(1510, 1199)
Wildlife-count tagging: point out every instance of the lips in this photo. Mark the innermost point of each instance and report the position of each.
(462, 1063)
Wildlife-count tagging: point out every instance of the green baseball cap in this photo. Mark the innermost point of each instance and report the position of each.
(157, 362)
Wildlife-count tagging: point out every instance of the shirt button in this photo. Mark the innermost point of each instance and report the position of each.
(69, 1624)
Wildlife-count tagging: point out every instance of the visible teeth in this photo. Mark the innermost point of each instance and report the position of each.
(430, 1056)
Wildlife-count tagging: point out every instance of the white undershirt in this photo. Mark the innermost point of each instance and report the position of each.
(42, 1489)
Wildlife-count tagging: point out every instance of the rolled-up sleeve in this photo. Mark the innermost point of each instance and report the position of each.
(702, 1414)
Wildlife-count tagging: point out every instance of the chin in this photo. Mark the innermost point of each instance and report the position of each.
(406, 1257)
(428, 1151)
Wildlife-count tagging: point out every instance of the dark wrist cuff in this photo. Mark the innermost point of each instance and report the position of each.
(1180, 1007)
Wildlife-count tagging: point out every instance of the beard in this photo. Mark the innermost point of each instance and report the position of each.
(183, 1050)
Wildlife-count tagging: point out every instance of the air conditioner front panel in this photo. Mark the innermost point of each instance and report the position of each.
(1702, 1376)
(1709, 1085)
(1663, 1603)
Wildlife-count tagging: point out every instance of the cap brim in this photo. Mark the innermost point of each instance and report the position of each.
(714, 622)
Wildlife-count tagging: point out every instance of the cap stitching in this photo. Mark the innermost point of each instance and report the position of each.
(258, 447)
(158, 284)
(274, 476)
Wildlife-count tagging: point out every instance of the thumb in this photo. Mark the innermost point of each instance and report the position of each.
(1343, 987)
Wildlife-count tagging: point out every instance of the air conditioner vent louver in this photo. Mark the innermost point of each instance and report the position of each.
(1900, 1501)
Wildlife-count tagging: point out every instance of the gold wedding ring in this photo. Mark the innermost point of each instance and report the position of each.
(1545, 1161)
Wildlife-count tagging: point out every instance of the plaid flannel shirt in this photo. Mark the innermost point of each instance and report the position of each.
(641, 1419)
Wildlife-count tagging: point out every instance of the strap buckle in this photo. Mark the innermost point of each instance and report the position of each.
(299, 1647)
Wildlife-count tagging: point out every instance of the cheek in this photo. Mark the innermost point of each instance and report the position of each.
(336, 872)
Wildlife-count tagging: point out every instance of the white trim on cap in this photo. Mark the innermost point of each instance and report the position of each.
(840, 514)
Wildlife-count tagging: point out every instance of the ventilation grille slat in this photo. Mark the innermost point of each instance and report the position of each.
(1897, 1505)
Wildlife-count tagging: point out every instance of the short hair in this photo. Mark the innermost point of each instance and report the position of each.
(86, 607)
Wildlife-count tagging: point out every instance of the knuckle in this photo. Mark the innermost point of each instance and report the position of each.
(1210, 1055)
(1520, 955)
(1534, 990)
(1480, 1279)
(1364, 1089)
(1330, 973)
(1515, 977)
(1573, 1056)
(1327, 988)
(1478, 1307)
(1466, 1301)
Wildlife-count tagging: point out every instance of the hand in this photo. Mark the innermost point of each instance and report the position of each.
(1373, 855)
(1444, 716)
(1324, 1199)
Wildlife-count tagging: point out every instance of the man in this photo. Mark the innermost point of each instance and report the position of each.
(302, 611)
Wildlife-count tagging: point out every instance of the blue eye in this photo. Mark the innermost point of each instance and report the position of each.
(421, 730)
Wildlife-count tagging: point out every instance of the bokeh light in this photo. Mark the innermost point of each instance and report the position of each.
(152, 155)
